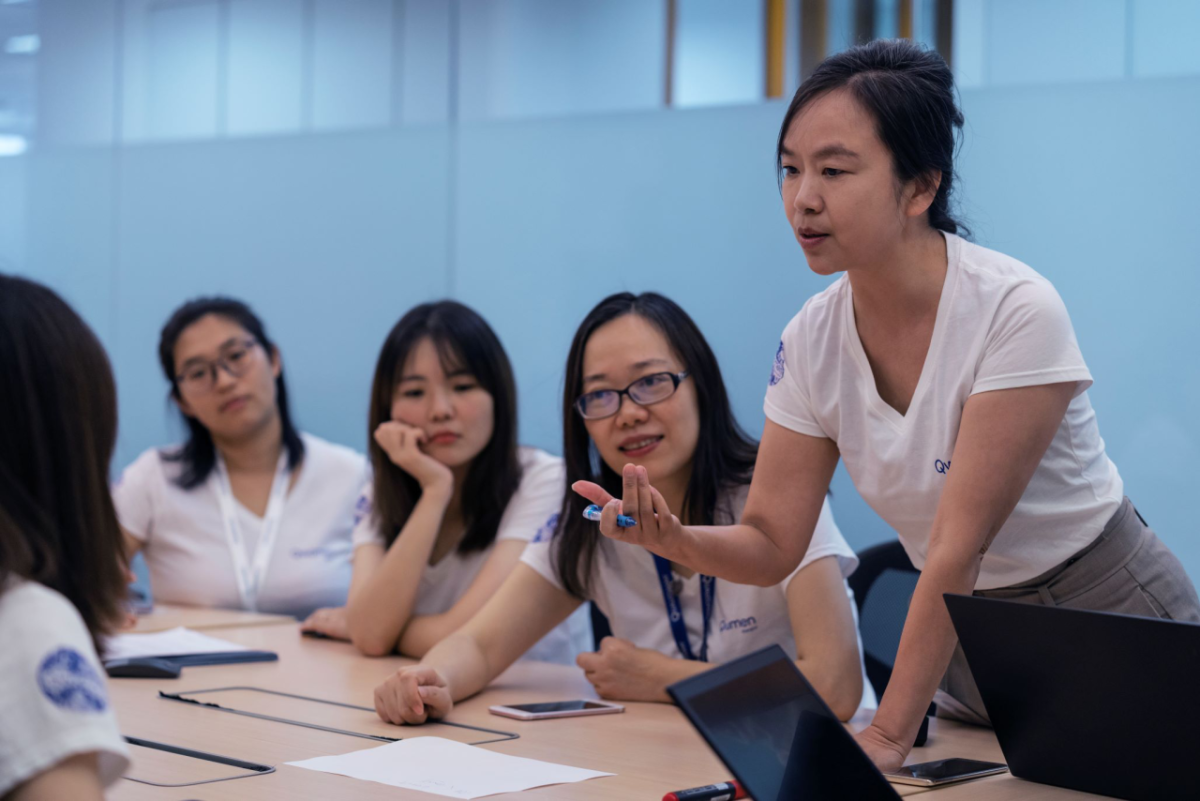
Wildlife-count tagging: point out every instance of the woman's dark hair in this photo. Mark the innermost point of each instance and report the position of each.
(58, 426)
(724, 454)
(198, 455)
(909, 90)
(464, 341)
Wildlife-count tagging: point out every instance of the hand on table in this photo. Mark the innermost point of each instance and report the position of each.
(413, 695)
(887, 755)
(621, 671)
(330, 621)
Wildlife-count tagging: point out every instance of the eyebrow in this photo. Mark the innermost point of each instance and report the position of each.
(200, 359)
(642, 365)
(825, 152)
(418, 377)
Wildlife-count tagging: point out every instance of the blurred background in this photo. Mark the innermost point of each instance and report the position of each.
(334, 162)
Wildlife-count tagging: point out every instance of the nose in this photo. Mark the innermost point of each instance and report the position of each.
(441, 405)
(808, 198)
(630, 413)
(224, 378)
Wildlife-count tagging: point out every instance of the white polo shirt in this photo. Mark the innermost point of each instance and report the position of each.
(539, 495)
(999, 325)
(54, 697)
(185, 546)
(625, 585)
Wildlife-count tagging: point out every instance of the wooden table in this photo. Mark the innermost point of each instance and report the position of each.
(651, 747)
(166, 617)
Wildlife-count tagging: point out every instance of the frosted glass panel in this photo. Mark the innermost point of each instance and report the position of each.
(184, 70)
(266, 64)
(425, 55)
(1048, 41)
(352, 63)
(1166, 37)
(719, 53)
(76, 66)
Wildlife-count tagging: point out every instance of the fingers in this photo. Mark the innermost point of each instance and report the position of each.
(588, 660)
(593, 492)
(629, 493)
(436, 699)
(646, 518)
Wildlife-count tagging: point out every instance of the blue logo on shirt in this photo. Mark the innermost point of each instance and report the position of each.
(941, 467)
(779, 366)
(70, 682)
(362, 508)
(548, 528)
(745, 624)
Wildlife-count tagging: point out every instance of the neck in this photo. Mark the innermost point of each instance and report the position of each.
(256, 453)
(905, 284)
(673, 489)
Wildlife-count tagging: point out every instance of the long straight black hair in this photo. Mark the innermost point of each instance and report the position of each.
(58, 427)
(724, 456)
(198, 455)
(464, 341)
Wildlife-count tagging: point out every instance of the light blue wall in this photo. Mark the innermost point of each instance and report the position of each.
(332, 237)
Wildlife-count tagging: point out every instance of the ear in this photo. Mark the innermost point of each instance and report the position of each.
(276, 362)
(921, 193)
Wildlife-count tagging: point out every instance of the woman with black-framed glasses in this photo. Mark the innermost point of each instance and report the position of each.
(248, 513)
(643, 387)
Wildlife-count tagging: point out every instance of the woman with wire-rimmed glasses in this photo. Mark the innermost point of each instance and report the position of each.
(248, 513)
(643, 386)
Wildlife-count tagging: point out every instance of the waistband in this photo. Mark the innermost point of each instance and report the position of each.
(1117, 544)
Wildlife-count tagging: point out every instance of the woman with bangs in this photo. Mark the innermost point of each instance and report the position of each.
(453, 500)
(644, 388)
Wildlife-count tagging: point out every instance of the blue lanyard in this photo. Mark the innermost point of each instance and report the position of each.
(708, 593)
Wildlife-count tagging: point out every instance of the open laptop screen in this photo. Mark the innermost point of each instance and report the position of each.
(772, 730)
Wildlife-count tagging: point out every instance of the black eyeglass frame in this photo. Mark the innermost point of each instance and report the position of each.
(676, 380)
(213, 365)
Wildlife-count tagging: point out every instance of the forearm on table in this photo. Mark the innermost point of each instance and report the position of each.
(423, 632)
(462, 663)
(378, 614)
(926, 645)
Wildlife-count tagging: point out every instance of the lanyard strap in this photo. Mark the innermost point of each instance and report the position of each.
(250, 575)
(708, 593)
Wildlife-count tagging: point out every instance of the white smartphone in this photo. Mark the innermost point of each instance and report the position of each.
(556, 709)
(944, 771)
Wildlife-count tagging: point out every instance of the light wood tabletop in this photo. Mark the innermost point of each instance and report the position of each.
(166, 617)
(651, 748)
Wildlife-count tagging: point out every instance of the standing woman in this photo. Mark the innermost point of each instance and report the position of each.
(62, 577)
(453, 498)
(948, 378)
(248, 513)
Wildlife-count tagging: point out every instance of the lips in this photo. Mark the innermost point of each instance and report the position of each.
(234, 404)
(810, 237)
(639, 446)
(443, 438)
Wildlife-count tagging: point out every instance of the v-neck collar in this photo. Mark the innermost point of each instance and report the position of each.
(876, 401)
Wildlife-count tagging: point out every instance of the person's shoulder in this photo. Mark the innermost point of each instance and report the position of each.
(152, 464)
(820, 310)
(333, 458)
(537, 462)
(34, 617)
(996, 269)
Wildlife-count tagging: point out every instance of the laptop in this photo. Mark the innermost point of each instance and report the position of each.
(1092, 701)
(775, 734)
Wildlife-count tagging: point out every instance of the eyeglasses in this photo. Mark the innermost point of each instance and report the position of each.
(201, 375)
(644, 392)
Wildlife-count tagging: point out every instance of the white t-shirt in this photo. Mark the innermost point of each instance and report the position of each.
(999, 325)
(185, 546)
(539, 496)
(54, 698)
(625, 586)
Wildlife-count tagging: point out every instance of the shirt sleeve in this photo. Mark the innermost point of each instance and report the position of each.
(135, 493)
(539, 555)
(788, 402)
(54, 702)
(1031, 342)
(539, 496)
(827, 540)
(366, 527)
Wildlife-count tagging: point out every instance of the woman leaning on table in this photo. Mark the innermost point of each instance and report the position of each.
(948, 378)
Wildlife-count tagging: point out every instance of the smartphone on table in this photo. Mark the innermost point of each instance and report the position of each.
(556, 709)
(944, 771)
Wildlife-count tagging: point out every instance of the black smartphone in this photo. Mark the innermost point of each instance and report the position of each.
(945, 771)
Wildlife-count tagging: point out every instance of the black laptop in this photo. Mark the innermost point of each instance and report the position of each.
(1093, 701)
(775, 734)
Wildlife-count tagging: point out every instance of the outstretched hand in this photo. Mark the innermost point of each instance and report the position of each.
(656, 529)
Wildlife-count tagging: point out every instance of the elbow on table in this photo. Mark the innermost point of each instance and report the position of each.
(372, 643)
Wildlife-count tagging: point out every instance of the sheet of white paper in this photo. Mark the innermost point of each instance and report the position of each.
(175, 642)
(444, 767)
